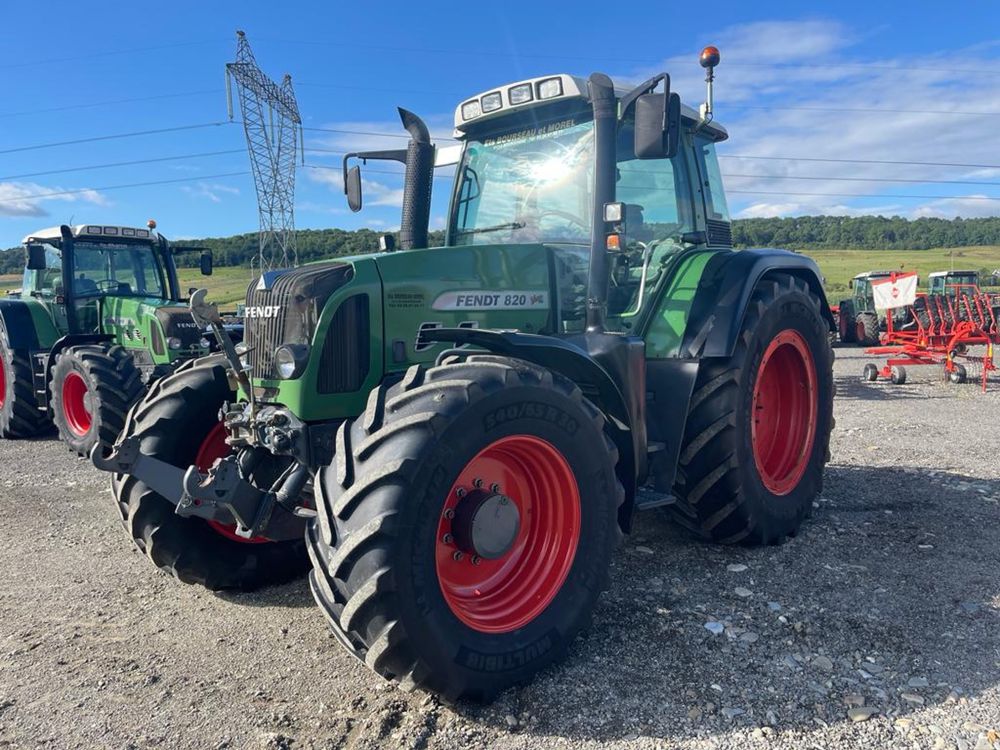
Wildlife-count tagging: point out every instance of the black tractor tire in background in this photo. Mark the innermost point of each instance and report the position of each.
(385, 569)
(730, 489)
(20, 416)
(868, 333)
(91, 389)
(173, 421)
(847, 323)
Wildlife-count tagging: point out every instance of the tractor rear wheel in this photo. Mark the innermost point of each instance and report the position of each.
(847, 322)
(91, 390)
(20, 416)
(465, 529)
(868, 334)
(758, 425)
(178, 422)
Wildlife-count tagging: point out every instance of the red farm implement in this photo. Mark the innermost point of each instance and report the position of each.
(939, 329)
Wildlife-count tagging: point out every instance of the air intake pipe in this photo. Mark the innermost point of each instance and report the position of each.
(418, 182)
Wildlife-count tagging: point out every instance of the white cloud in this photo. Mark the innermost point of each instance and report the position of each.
(798, 88)
(27, 198)
(211, 191)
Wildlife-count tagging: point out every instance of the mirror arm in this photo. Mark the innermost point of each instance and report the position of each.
(646, 87)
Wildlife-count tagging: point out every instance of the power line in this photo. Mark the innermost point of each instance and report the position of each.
(866, 195)
(121, 164)
(863, 110)
(113, 137)
(369, 132)
(39, 196)
(861, 161)
(465, 52)
(104, 53)
(110, 102)
(860, 179)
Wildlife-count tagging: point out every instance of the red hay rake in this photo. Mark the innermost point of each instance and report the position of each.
(940, 329)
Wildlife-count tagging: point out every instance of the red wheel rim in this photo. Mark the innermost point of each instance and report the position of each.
(3, 383)
(785, 408)
(503, 594)
(74, 404)
(214, 447)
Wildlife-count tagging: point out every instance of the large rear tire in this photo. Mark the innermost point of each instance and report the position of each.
(20, 416)
(868, 333)
(91, 390)
(178, 422)
(465, 529)
(758, 427)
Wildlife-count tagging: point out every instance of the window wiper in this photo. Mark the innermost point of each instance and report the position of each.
(495, 228)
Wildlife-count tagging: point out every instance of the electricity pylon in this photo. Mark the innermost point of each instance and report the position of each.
(273, 129)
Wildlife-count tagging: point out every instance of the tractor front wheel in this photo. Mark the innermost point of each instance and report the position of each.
(758, 425)
(178, 422)
(868, 334)
(20, 416)
(847, 323)
(91, 390)
(465, 529)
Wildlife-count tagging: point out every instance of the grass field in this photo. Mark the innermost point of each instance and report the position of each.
(227, 286)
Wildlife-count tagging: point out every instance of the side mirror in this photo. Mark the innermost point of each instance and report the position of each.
(36, 258)
(352, 186)
(206, 263)
(657, 126)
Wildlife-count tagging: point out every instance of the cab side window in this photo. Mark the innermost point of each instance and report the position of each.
(711, 180)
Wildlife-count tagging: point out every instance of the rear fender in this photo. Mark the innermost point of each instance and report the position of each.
(22, 328)
(724, 293)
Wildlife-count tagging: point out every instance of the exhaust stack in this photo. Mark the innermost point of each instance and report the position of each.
(418, 183)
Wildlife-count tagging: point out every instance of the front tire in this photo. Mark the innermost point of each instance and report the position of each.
(395, 542)
(868, 333)
(91, 390)
(178, 423)
(20, 416)
(758, 427)
(847, 322)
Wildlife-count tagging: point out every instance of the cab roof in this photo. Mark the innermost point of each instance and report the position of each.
(103, 231)
(559, 87)
(953, 273)
(873, 275)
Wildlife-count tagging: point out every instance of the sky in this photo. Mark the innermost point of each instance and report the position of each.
(801, 88)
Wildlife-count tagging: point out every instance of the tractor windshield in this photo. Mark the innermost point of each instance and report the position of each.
(125, 269)
(529, 186)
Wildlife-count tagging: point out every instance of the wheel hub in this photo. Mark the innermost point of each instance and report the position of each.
(486, 524)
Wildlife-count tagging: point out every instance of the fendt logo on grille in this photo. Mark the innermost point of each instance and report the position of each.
(263, 311)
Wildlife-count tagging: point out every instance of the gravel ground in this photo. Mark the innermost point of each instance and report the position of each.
(878, 626)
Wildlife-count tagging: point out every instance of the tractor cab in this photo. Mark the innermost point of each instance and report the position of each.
(953, 283)
(861, 286)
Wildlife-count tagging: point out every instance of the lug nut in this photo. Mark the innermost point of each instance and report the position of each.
(460, 492)
(477, 483)
(447, 539)
(476, 559)
(495, 487)
(449, 514)
(457, 556)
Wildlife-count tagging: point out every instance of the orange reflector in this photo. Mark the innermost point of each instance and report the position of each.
(614, 242)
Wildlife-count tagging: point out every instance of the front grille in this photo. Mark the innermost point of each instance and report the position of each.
(720, 233)
(284, 310)
(346, 352)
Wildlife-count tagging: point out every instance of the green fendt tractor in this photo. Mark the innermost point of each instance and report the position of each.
(99, 316)
(858, 319)
(952, 282)
(464, 433)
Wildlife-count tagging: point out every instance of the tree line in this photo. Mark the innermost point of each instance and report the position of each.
(798, 233)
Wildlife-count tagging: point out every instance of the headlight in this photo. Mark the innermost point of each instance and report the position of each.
(471, 110)
(550, 88)
(520, 94)
(242, 349)
(492, 102)
(174, 343)
(290, 360)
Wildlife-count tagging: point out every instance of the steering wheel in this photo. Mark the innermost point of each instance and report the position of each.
(562, 215)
